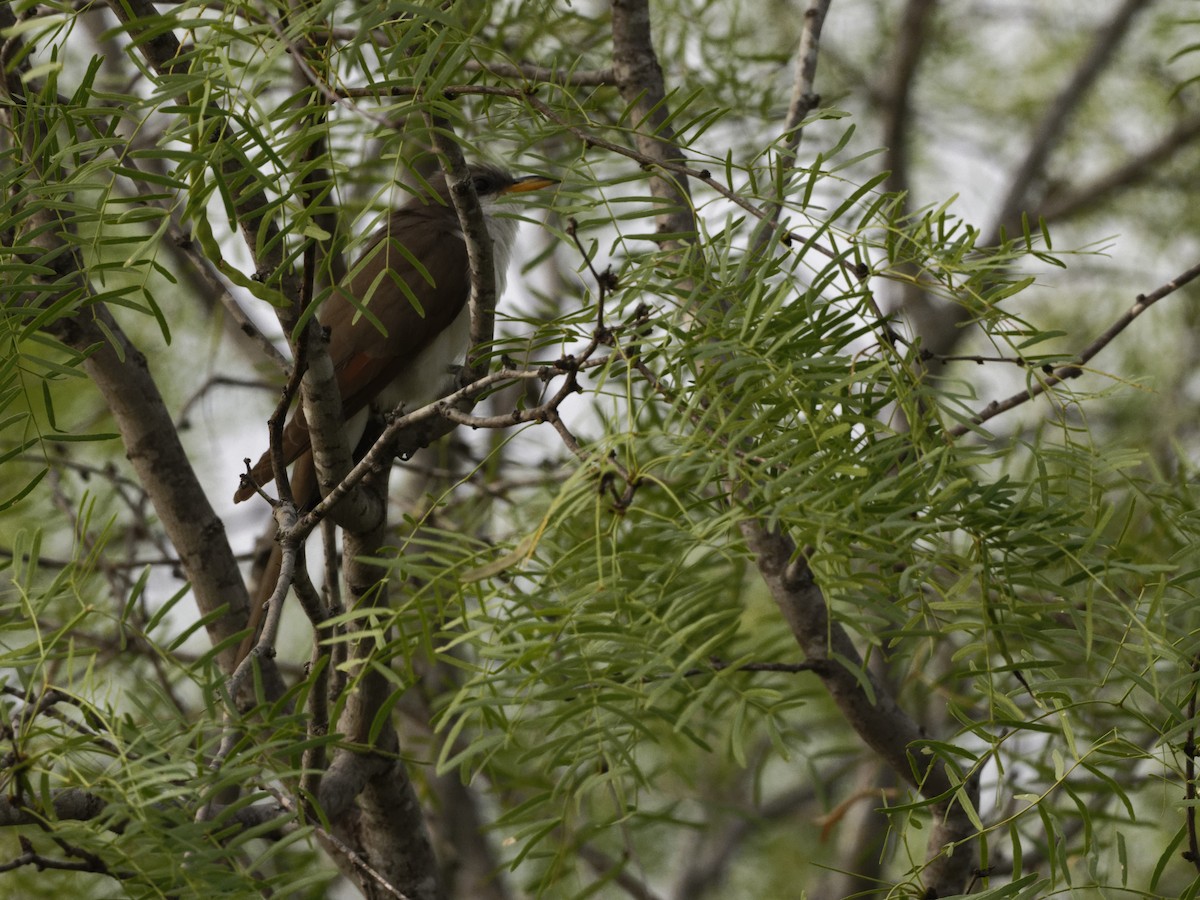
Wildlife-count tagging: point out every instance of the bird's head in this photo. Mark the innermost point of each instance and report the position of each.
(492, 182)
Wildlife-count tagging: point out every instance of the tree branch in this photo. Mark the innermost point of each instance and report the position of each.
(1053, 124)
(640, 80)
(940, 325)
(869, 709)
(1062, 373)
(1130, 173)
(483, 297)
(366, 793)
(867, 704)
(898, 88)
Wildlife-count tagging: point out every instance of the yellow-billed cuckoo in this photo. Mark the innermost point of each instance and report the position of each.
(414, 279)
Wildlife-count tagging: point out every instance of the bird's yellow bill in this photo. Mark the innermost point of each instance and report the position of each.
(529, 183)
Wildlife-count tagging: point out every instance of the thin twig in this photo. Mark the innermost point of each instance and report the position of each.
(1063, 373)
(258, 645)
(616, 872)
(213, 382)
(531, 72)
(980, 359)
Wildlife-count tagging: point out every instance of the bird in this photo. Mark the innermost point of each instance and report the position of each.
(422, 334)
(413, 281)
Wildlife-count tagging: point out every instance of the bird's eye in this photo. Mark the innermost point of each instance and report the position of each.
(482, 184)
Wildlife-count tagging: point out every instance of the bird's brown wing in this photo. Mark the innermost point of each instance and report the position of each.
(372, 340)
(375, 327)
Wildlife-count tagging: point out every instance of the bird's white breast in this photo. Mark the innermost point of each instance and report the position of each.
(432, 372)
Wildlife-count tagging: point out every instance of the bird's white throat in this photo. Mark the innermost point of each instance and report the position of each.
(503, 232)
